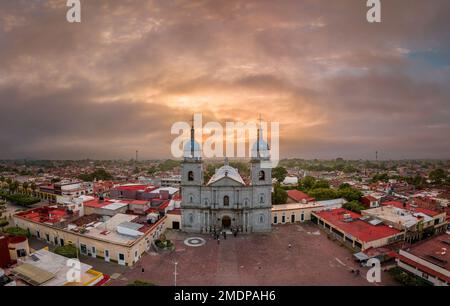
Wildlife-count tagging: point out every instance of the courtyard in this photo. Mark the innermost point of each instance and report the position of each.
(292, 254)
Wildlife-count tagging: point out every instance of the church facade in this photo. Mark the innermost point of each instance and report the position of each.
(226, 201)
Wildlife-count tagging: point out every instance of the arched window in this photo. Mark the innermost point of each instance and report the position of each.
(261, 198)
(191, 198)
(261, 218)
(262, 175)
(246, 202)
(190, 176)
(191, 218)
(226, 200)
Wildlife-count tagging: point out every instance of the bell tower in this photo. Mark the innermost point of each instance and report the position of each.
(192, 165)
(260, 152)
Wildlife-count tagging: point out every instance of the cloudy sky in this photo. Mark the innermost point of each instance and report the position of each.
(339, 86)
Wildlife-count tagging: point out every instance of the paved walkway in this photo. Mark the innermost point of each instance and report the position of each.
(257, 259)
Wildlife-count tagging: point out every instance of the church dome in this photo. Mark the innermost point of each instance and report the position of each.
(226, 171)
(187, 151)
(263, 148)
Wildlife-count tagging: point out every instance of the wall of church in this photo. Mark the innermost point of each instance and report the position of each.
(225, 201)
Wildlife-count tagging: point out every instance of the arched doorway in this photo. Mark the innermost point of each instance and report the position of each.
(226, 222)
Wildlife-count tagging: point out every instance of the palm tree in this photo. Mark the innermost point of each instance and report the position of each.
(13, 186)
(25, 187)
(33, 187)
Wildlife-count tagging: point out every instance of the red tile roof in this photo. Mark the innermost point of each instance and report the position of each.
(359, 229)
(433, 250)
(97, 203)
(130, 187)
(370, 198)
(164, 205)
(299, 196)
(423, 268)
(44, 214)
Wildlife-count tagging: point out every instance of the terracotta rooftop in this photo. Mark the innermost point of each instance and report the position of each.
(435, 250)
(359, 229)
(299, 196)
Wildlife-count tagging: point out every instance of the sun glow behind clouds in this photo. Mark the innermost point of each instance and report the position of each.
(338, 85)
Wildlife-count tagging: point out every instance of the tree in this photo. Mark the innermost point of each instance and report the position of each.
(33, 187)
(279, 173)
(25, 186)
(344, 185)
(437, 176)
(209, 171)
(13, 186)
(243, 168)
(350, 194)
(69, 251)
(99, 174)
(168, 165)
(3, 223)
(321, 194)
(418, 181)
(321, 184)
(306, 183)
(152, 170)
(380, 177)
(21, 199)
(354, 206)
(17, 231)
(279, 195)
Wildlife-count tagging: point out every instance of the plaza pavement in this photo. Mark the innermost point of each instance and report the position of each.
(292, 254)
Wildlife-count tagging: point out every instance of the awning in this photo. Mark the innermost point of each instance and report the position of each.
(361, 256)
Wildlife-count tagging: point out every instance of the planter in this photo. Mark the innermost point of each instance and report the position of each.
(162, 250)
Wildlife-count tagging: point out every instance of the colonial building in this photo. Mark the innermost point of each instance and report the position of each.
(226, 201)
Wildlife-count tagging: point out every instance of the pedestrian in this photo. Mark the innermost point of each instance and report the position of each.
(218, 240)
(143, 270)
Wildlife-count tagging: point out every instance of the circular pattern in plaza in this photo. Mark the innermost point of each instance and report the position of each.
(194, 241)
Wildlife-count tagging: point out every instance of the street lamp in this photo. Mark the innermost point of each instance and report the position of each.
(175, 273)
